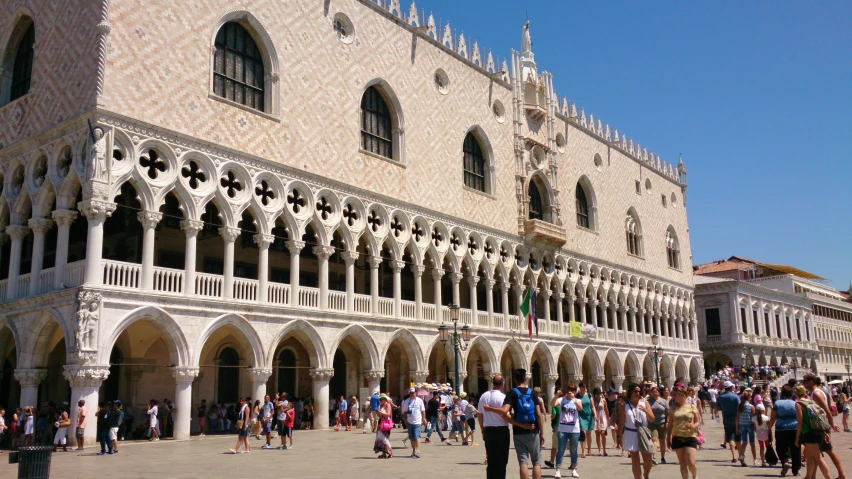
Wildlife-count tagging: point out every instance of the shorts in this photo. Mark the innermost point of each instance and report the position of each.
(244, 432)
(657, 430)
(747, 433)
(79, 434)
(284, 431)
(762, 443)
(113, 434)
(712, 404)
(414, 432)
(471, 423)
(201, 421)
(267, 427)
(682, 442)
(731, 432)
(528, 449)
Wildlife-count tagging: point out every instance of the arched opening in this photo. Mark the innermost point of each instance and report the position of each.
(633, 231)
(440, 369)
(536, 375)
(397, 367)
(210, 244)
(78, 233)
(377, 130)
(111, 385)
(337, 265)
(293, 357)
(228, 376)
(673, 250)
(17, 67)
(475, 165)
(354, 354)
(122, 230)
(279, 256)
(582, 206)
(565, 367)
(287, 372)
(10, 391)
(591, 366)
(238, 67)
(170, 240)
(245, 248)
(337, 385)
(536, 202)
(308, 261)
(511, 359)
(478, 367)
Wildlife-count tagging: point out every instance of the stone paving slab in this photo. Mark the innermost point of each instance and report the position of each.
(328, 454)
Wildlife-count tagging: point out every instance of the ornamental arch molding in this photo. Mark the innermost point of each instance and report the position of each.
(36, 346)
(307, 335)
(413, 349)
(365, 342)
(178, 347)
(253, 345)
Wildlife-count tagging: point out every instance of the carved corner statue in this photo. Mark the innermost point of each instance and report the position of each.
(96, 169)
(88, 314)
(526, 41)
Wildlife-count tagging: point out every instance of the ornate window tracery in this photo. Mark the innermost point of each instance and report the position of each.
(238, 71)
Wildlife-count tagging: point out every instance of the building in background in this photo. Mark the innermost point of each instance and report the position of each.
(757, 314)
(209, 203)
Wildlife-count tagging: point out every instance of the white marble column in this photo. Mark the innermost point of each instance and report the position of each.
(349, 257)
(183, 401)
(263, 241)
(149, 220)
(320, 379)
(472, 281)
(374, 380)
(63, 219)
(583, 310)
(17, 233)
(396, 267)
(489, 301)
(229, 235)
(634, 333)
(417, 270)
(618, 383)
(559, 311)
(456, 279)
(504, 299)
(572, 313)
(39, 227)
(547, 293)
(4, 238)
(190, 229)
(96, 212)
(550, 387)
(323, 253)
(437, 274)
(594, 308)
(29, 379)
(85, 381)
(259, 378)
(374, 261)
(596, 382)
(295, 248)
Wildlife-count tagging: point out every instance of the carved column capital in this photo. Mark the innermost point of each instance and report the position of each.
(40, 225)
(323, 252)
(185, 375)
(30, 377)
(552, 378)
(349, 257)
(374, 261)
(456, 277)
(295, 246)
(17, 232)
(264, 240)
(229, 234)
(504, 287)
(191, 227)
(149, 219)
(472, 281)
(321, 374)
(374, 374)
(417, 270)
(437, 274)
(419, 376)
(95, 210)
(85, 375)
(64, 217)
(260, 374)
(489, 284)
(397, 266)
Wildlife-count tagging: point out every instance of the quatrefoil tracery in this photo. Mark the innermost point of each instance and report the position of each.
(455, 241)
(231, 184)
(324, 208)
(194, 175)
(374, 220)
(296, 201)
(396, 227)
(350, 214)
(417, 232)
(152, 162)
(264, 193)
(437, 237)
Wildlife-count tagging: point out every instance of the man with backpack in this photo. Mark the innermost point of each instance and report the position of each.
(527, 420)
(818, 396)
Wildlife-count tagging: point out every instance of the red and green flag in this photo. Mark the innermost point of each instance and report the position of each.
(528, 310)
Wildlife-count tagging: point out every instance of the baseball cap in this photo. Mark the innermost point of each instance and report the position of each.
(728, 384)
(761, 407)
(411, 390)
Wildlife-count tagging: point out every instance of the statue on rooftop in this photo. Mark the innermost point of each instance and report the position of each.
(526, 41)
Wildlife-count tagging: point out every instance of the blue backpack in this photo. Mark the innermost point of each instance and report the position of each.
(525, 411)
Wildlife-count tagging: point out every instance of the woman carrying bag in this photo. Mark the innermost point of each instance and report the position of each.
(633, 418)
(382, 445)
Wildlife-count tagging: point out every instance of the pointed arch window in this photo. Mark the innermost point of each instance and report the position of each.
(238, 71)
(376, 125)
(22, 70)
(582, 205)
(474, 163)
(634, 235)
(536, 208)
(672, 250)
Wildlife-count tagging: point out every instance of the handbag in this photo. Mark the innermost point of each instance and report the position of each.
(582, 436)
(770, 455)
(700, 439)
(386, 424)
(643, 434)
(240, 423)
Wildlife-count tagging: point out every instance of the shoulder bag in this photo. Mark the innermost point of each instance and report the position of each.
(643, 434)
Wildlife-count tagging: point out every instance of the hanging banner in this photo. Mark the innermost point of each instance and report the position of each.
(576, 329)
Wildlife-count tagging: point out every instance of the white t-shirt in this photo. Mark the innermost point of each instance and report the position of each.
(568, 415)
(494, 399)
(713, 393)
(152, 413)
(761, 431)
(463, 406)
(413, 409)
(282, 410)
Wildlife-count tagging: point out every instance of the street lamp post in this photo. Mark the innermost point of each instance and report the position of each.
(656, 353)
(459, 340)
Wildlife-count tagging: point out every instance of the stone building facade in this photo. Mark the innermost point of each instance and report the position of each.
(208, 203)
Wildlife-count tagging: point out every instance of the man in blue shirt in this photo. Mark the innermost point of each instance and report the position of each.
(342, 414)
(374, 411)
(728, 403)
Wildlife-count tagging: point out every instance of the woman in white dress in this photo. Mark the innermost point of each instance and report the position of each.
(152, 420)
(635, 411)
(61, 435)
(29, 428)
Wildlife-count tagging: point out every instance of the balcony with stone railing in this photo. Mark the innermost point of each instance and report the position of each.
(545, 234)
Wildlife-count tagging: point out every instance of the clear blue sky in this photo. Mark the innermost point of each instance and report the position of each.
(756, 95)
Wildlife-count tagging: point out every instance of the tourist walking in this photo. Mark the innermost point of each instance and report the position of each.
(822, 400)
(728, 403)
(760, 423)
(202, 417)
(28, 426)
(373, 419)
(61, 430)
(660, 406)
(414, 412)
(633, 413)
(527, 420)
(495, 429)
(80, 430)
(354, 412)
(243, 427)
(153, 422)
(433, 408)
(289, 424)
(266, 413)
(611, 404)
(102, 431)
(713, 394)
(601, 421)
(342, 414)
(682, 423)
(568, 428)
(382, 445)
(809, 434)
(784, 420)
(470, 415)
(843, 402)
(745, 412)
(587, 419)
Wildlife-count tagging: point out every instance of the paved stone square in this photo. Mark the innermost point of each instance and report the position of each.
(327, 454)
